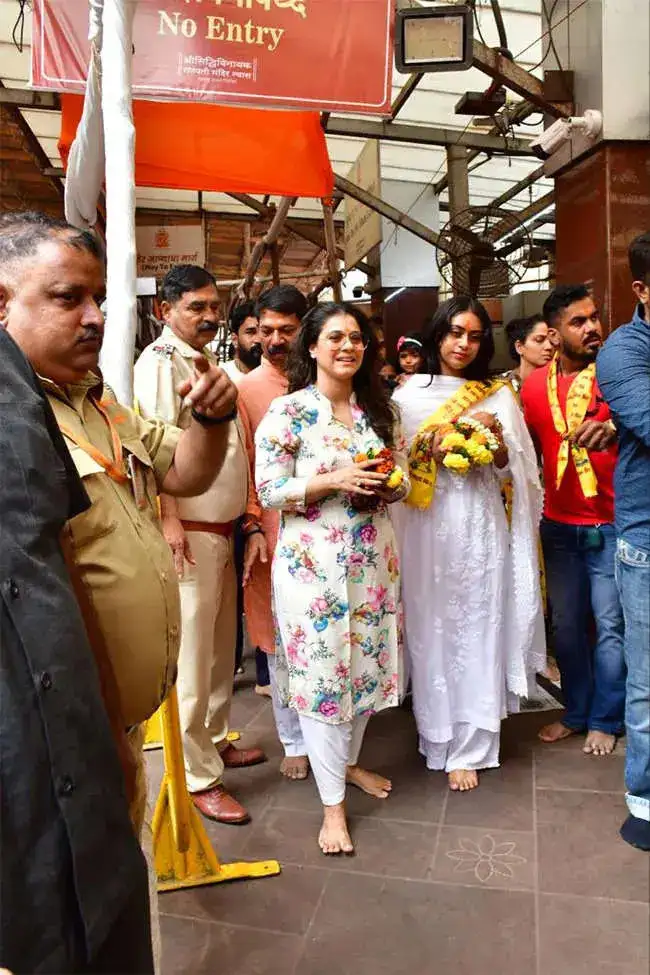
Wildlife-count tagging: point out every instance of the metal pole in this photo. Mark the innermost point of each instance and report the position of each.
(119, 132)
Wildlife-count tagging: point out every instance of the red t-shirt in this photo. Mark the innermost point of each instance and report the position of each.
(568, 504)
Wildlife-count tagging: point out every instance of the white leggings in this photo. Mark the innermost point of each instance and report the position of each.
(331, 748)
(470, 748)
(286, 720)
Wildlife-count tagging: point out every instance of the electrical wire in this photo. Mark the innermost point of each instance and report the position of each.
(19, 26)
(552, 47)
(477, 23)
(562, 20)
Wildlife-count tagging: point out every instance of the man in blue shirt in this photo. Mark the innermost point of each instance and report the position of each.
(623, 370)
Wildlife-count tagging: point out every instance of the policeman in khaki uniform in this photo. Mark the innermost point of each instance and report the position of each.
(200, 533)
(49, 305)
(51, 285)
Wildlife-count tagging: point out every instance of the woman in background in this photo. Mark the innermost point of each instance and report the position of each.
(530, 346)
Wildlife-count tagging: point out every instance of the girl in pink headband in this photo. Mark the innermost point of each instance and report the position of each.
(409, 355)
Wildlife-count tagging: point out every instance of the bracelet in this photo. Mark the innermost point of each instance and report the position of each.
(213, 421)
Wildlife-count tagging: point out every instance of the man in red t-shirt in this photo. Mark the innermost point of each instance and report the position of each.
(571, 426)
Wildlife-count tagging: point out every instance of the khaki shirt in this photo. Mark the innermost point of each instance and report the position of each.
(159, 371)
(124, 560)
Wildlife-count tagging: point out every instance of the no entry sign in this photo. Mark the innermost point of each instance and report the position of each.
(332, 55)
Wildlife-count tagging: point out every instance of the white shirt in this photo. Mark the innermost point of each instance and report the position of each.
(233, 371)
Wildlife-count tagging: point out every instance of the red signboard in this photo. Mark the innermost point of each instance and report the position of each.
(333, 55)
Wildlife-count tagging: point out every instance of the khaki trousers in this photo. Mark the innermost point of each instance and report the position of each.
(141, 816)
(206, 663)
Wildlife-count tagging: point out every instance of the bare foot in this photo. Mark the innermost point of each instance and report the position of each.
(552, 670)
(555, 732)
(369, 782)
(263, 690)
(463, 780)
(334, 837)
(598, 743)
(295, 768)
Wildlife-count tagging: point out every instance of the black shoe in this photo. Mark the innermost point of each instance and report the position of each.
(636, 832)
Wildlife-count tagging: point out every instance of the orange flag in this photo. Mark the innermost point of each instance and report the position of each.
(193, 146)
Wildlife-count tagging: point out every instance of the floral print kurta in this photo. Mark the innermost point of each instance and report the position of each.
(335, 570)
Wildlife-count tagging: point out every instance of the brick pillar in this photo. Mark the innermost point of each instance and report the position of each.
(602, 203)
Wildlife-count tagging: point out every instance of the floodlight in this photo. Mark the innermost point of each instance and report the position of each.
(434, 39)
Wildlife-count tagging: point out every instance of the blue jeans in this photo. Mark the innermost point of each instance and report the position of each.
(580, 579)
(633, 578)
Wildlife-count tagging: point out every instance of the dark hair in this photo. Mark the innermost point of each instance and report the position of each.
(23, 232)
(239, 315)
(411, 338)
(560, 298)
(518, 330)
(183, 278)
(639, 258)
(371, 393)
(284, 299)
(439, 325)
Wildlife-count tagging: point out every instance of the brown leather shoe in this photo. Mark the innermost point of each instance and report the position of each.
(242, 757)
(217, 804)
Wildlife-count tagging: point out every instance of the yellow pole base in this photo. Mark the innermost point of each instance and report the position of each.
(198, 864)
(183, 854)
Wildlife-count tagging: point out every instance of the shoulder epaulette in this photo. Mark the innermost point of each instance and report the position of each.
(164, 349)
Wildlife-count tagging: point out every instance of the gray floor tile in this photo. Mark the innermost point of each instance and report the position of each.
(580, 851)
(285, 904)
(382, 847)
(584, 936)
(369, 927)
(494, 858)
(202, 948)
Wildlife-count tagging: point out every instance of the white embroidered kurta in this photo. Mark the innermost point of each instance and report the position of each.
(335, 571)
(473, 611)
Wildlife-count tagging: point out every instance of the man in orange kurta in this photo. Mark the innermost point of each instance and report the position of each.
(280, 310)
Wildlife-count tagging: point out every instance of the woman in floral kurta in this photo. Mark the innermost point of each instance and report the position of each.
(335, 571)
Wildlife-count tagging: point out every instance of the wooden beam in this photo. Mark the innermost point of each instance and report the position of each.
(275, 263)
(425, 135)
(26, 98)
(268, 241)
(332, 259)
(407, 90)
(511, 75)
(391, 213)
(311, 234)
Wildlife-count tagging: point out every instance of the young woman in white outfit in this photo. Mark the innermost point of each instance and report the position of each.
(473, 613)
(335, 570)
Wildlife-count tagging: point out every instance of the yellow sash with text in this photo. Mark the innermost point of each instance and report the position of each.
(577, 404)
(422, 467)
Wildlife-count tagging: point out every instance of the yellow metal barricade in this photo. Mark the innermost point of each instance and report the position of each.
(183, 854)
(154, 736)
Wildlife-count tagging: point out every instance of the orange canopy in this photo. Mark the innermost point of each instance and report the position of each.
(192, 146)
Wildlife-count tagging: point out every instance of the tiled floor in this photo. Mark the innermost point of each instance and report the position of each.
(526, 876)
